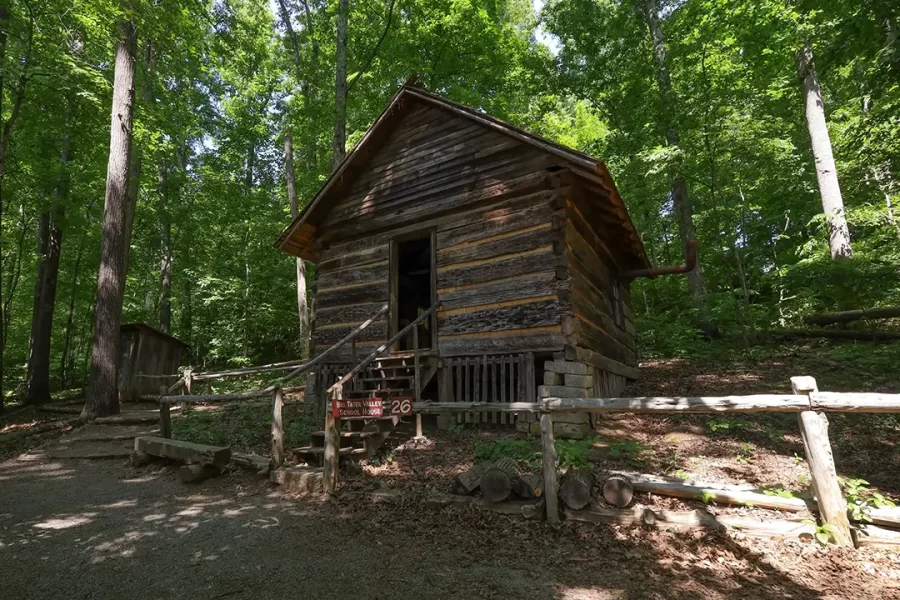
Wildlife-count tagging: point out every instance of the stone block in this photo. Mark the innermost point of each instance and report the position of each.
(561, 391)
(551, 378)
(567, 367)
(575, 431)
(579, 381)
(573, 418)
(535, 428)
(444, 422)
(523, 427)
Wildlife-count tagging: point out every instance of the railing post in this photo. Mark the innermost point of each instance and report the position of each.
(418, 379)
(549, 459)
(278, 428)
(188, 380)
(814, 430)
(165, 419)
(332, 444)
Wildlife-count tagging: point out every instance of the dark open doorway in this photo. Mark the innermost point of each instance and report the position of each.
(414, 288)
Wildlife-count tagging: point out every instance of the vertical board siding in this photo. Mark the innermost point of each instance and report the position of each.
(493, 379)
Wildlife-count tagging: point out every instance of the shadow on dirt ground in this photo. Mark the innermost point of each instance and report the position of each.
(74, 529)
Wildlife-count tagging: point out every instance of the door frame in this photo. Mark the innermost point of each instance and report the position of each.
(393, 281)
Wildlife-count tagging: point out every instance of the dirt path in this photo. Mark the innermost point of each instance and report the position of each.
(98, 529)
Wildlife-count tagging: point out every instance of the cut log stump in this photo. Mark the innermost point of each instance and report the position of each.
(196, 473)
(618, 491)
(529, 485)
(185, 452)
(497, 481)
(466, 483)
(575, 488)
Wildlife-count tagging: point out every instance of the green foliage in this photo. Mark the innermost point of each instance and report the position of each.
(861, 499)
(525, 451)
(745, 454)
(726, 424)
(628, 450)
(824, 533)
(778, 491)
(574, 453)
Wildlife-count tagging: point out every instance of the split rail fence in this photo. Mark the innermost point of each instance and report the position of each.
(806, 400)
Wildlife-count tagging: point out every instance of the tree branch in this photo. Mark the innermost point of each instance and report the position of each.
(387, 27)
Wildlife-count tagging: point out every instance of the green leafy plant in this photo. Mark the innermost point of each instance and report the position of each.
(524, 451)
(745, 454)
(707, 496)
(861, 500)
(574, 453)
(628, 450)
(824, 533)
(797, 459)
(457, 428)
(717, 425)
(779, 491)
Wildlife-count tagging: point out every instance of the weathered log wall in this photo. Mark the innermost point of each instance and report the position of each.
(598, 303)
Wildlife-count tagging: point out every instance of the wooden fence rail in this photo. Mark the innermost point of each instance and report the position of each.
(807, 401)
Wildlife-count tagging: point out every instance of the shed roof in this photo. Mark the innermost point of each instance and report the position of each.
(298, 238)
(147, 329)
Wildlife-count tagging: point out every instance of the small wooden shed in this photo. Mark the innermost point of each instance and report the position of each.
(146, 351)
(527, 245)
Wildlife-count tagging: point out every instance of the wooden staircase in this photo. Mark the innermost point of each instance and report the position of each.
(388, 377)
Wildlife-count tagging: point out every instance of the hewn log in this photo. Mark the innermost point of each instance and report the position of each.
(871, 535)
(523, 314)
(466, 483)
(13, 436)
(192, 473)
(438, 408)
(497, 481)
(814, 431)
(840, 334)
(854, 402)
(549, 465)
(541, 258)
(700, 404)
(260, 464)
(529, 485)
(888, 312)
(682, 520)
(713, 492)
(601, 362)
(186, 452)
(618, 491)
(575, 488)
(548, 338)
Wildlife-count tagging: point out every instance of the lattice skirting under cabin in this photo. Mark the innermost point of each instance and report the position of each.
(490, 378)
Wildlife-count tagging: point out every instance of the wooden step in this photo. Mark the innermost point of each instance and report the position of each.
(314, 451)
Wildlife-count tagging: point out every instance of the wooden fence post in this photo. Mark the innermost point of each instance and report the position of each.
(332, 458)
(165, 420)
(814, 430)
(549, 459)
(278, 428)
(188, 381)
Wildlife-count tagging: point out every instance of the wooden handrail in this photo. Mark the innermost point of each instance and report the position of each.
(382, 348)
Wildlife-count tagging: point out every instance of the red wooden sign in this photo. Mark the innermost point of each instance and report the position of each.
(402, 405)
(357, 408)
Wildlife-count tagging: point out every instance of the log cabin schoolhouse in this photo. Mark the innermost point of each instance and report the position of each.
(524, 245)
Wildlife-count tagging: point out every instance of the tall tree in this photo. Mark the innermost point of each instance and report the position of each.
(291, 183)
(339, 143)
(102, 398)
(826, 170)
(165, 243)
(681, 200)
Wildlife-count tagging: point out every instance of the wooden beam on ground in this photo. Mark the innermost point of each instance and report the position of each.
(814, 430)
(888, 312)
(186, 452)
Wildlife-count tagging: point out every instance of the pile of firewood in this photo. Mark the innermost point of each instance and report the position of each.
(499, 481)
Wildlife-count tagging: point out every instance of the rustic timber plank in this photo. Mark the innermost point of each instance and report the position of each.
(539, 210)
(534, 285)
(353, 276)
(332, 262)
(328, 335)
(517, 316)
(538, 339)
(377, 291)
(540, 259)
(504, 243)
(680, 404)
(601, 362)
(186, 452)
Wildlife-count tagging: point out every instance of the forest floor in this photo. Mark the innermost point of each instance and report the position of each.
(100, 529)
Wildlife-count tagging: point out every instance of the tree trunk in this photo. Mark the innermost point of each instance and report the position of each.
(102, 398)
(43, 245)
(339, 143)
(295, 212)
(680, 199)
(165, 224)
(826, 171)
(38, 386)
